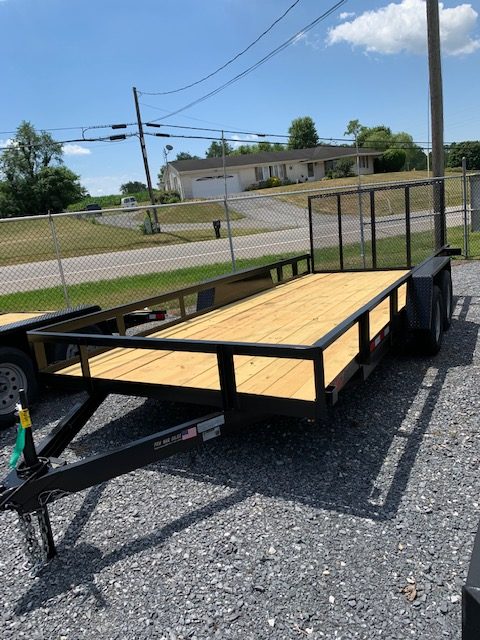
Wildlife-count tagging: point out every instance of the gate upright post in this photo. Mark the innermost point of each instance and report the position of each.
(466, 248)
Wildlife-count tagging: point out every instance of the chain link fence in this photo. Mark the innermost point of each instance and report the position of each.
(114, 256)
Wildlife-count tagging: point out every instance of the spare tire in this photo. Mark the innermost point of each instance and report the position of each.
(429, 341)
(445, 284)
(65, 351)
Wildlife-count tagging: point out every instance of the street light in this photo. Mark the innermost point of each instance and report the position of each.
(166, 150)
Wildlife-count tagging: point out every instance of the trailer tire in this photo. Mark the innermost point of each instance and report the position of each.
(66, 351)
(445, 284)
(429, 341)
(16, 372)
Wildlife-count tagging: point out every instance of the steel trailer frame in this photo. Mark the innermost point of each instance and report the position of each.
(44, 477)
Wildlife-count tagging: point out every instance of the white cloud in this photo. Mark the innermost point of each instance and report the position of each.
(8, 142)
(346, 14)
(244, 140)
(402, 26)
(75, 150)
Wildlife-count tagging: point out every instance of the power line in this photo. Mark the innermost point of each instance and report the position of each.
(114, 138)
(229, 62)
(154, 123)
(394, 145)
(124, 136)
(244, 133)
(80, 128)
(399, 144)
(168, 135)
(260, 62)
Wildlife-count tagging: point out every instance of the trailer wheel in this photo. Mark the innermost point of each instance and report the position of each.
(430, 340)
(445, 283)
(16, 372)
(67, 351)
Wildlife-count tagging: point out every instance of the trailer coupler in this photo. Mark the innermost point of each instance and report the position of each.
(28, 489)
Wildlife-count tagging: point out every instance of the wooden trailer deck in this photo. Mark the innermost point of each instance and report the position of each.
(298, 312)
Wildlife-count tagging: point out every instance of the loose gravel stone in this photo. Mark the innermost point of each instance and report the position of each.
(282, 531)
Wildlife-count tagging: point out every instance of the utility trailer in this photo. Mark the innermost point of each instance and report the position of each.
(282, 339)
(17, 367)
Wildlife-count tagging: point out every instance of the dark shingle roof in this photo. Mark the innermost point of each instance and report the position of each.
(310, 155)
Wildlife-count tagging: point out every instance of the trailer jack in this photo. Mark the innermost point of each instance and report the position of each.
(43, 478)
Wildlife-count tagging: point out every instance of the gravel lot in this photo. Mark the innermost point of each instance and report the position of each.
(285, 532)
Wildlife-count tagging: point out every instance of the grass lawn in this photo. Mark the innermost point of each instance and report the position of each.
(31, 240)
(387, 202)
(108, 293)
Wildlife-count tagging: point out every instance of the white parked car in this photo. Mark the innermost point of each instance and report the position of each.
(128, 202)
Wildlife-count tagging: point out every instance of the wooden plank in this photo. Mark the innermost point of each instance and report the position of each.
(298, 312)
(175, 369)
(287, 335)
(242, 311)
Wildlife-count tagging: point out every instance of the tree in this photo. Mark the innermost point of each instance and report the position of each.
(470, 149)
(342, 169)
(134, 186)
(378, 137)
(259, 147)
(34, 180)
(244, 149)
(303, 133)
(56, 188)
(215, 149)
(391, 160)
(353, 128)
(184, 155)
(382, 138)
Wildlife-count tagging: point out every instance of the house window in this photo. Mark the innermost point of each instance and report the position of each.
(310, 172)
(330, 165)
(261, 173)
(363, 162)
(278, 171)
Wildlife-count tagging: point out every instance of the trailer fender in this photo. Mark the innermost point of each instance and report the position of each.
(420, 292)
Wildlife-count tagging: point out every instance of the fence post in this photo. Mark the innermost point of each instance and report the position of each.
(225, 204)
(229, 231)
(59, 259)
(466, 248)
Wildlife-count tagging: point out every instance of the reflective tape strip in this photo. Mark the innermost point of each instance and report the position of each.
(25, 421)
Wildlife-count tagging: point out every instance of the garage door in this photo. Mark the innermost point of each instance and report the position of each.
(213, 186)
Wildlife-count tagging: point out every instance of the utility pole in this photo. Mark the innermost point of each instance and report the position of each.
(145, 159)
(436, 108)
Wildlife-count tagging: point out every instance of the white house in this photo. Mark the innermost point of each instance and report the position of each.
(205, 179)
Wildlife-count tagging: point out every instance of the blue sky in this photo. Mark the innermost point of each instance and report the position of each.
(72, 63)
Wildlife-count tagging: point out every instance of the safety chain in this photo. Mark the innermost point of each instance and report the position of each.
(36, 551)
